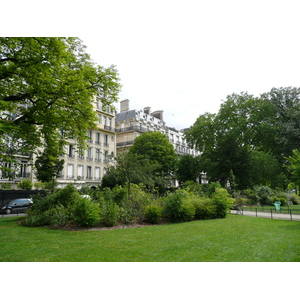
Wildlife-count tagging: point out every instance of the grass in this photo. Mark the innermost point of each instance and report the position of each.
(236, 238)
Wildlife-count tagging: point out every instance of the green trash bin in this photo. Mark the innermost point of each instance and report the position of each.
(277, 206)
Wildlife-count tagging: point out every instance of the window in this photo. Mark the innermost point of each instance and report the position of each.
(99, 118)
(70, 173)
(97, 173)
(90, 136)
(89, 172)
(98, 138)
(81, 153)
(106, 140)
(71, 151)
(97, 158)
(79, 172)
(106, 157)
(89, 154)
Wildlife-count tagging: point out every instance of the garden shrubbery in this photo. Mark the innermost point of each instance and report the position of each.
(110, 207)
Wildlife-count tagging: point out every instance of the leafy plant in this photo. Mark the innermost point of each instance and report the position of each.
(25, 184)
(85, 212)
(153, 213)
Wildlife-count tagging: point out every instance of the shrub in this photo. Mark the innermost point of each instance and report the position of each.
(263, 195)
(58, 215)
(204, 209)
(294, 198)
(35, 219)
(153, 213)
(126, 215)
(178, 208)
(85, 212)
(251, 197)
(25, 184)
(109, 213)
(223, 202)
(187, 211)
(6, 186)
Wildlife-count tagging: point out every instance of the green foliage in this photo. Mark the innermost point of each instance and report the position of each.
(109, 213)
(294, 198)
(204, 209)
(178, 208)
(6, 186)
(48, 165)
(154, 146)
(153, 213)
(294, 167)
(39, 185)
(85, 213)
(188, 169)
(59, 81)
(58, 216)
(25, 184)
(263, 195)
(62, 207)
(252, 136)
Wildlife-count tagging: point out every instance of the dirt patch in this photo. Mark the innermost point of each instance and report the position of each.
(71, 227)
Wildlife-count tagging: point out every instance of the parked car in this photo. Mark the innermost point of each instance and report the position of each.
(16, 206)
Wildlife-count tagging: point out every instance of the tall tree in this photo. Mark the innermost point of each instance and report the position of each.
(48, 84)
(227, 139)
(156, 147)
(188, 169)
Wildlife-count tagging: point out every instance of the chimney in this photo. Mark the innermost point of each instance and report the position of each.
(124, 105)
(147, 110)
(159, 114)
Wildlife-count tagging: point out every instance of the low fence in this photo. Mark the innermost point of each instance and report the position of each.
(285, 213)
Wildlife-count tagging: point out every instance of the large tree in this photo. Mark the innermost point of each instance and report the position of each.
(47, 86)
(155, 146)
(228, 139)
(188, 169)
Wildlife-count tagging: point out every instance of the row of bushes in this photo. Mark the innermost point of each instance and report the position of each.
(109, 207)
(264, 195)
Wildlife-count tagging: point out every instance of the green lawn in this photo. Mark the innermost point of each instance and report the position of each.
(236, 238)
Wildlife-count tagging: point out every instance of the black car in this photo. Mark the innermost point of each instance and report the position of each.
(16, 206)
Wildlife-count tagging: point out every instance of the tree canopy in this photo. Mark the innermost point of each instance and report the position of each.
(156, 147)
(47, 86)
(247, 133)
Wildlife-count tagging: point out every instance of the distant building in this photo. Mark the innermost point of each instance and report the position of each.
(131, 123)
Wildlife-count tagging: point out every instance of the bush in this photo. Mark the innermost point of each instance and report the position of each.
(263, 195)
(58, 215)
(223, 202)
(294, 198)
(178, 208)
(153, 213)
(6, 186)
(25, 184)
(85, 212)
(204, 209)
(35, 219)
(109, 213)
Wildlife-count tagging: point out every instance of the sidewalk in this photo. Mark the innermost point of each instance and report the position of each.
(268, 215)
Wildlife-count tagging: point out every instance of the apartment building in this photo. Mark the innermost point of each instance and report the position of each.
(82, 167)
(86, 167)
(130, 123)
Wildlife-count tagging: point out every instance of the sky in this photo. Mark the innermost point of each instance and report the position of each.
(182, 57)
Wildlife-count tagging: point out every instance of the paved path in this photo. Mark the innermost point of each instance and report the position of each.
(267, 215)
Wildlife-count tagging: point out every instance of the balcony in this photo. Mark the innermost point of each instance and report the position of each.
(132, 128)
